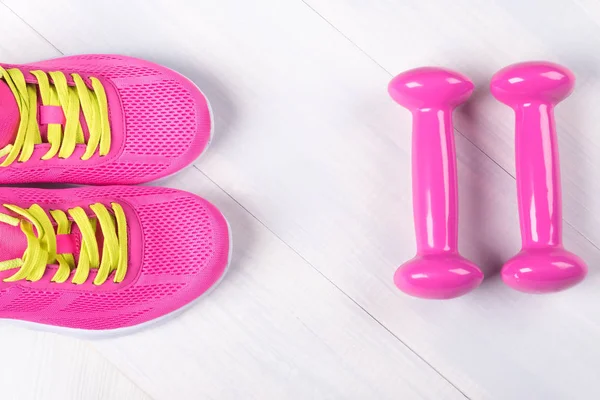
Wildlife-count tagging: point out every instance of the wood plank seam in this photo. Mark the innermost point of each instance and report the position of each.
(332, 283)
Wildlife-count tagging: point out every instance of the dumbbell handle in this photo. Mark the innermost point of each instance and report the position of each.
(538, 175)
(435, 203)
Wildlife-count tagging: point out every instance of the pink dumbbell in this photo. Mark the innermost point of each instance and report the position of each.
(532, 89)
(438, 271)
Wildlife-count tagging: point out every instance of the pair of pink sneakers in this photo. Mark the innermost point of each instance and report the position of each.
(107, 258)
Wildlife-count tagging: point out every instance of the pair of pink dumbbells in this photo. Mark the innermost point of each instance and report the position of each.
(531, 89)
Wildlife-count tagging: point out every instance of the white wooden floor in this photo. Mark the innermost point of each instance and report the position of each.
(311, 166)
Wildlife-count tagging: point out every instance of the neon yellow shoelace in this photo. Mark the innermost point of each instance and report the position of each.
(71, 99)
(42, 243)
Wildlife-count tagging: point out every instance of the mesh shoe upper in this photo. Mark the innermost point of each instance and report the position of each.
(178, 249)
(160, 122)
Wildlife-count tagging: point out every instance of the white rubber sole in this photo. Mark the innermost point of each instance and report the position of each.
(111, 333)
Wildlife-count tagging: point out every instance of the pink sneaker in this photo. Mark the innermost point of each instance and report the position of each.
(98, 119)
(106, 259)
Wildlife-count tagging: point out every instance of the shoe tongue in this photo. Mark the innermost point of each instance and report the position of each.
(13, 243)
(9, 116)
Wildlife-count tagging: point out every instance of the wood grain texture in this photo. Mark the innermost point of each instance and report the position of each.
(44, 366)
(311, 165)
(275, 328)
